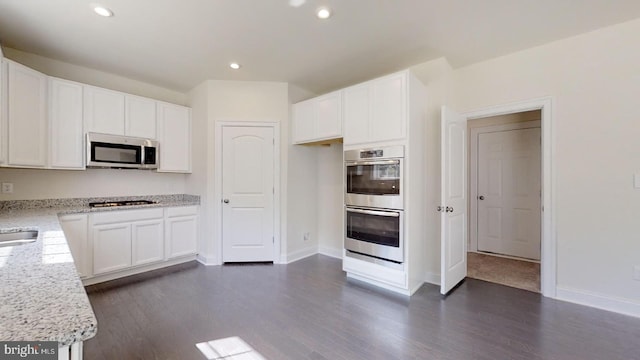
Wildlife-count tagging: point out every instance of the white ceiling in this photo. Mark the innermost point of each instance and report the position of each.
(180, 43)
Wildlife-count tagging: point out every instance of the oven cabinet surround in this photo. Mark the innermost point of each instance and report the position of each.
(318, 119)
(112, 244)
(43, 121)
(400, 100)
(377, 110)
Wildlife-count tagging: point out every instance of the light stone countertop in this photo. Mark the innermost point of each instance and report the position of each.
(41, 295)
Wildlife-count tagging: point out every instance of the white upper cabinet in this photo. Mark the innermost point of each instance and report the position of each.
(174, 136)
(318, 119)
(376, 110)
(103, 110)
(26, 116)
(3, 107)
(140, 118)
(66, 145)
(357, 109)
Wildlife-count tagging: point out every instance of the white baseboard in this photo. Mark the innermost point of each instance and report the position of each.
(301, 254)
(332, 252)
(136, 270)
(206, 260)
(432, 278)
(600, 301)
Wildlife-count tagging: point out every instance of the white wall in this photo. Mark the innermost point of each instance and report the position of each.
(41, 184)
(94, 77)
(236, 101)
(30, 184)
(594, 83)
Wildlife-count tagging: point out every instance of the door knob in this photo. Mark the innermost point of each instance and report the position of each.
(481, 197)
(226, 201)
(439, 208)
(448, 209)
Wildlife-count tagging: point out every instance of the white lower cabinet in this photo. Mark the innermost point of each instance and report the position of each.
(147, 242)
(111, 244)
(75, 230)
(181, 229)
(111, 247)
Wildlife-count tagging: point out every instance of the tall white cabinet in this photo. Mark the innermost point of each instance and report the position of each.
(66, 146)
(25, 120)
(174, 135)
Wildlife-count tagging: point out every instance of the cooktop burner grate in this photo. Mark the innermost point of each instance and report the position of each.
(120, 203)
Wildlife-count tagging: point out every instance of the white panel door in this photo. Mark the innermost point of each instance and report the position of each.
(357, 110)
(509, 169)
(27, 116)
(66, 125)
(328, 109)
(454, 200)
(140, 118)
(388, 117)
(103, 110)
(174, 136)
(111, 247)
(147, 238)
(248, 193)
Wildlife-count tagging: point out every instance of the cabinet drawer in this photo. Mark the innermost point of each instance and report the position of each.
(182, 211)
(126, 216)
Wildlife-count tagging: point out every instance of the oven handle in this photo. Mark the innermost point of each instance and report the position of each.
(374, 212)
(378, 162)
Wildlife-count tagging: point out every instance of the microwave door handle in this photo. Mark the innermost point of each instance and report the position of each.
(378, 162)
(374, 212)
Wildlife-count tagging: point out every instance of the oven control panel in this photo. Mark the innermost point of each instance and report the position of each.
(369, 154)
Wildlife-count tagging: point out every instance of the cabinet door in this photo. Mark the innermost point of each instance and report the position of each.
(103, 111)
(181, 235)
(27, 116)
(388, 115)
(357, 110)
(174, 136)
(3, 109)
(111, 247)
(140, 119)
(148, 241)
(303, 121)
(328, 109)
(75, 230)
(66, 149)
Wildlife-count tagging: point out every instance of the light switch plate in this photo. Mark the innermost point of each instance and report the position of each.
(636, 181)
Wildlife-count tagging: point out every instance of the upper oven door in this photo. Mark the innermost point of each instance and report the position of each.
(375, 183)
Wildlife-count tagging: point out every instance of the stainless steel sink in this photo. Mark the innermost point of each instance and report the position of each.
(18, 238)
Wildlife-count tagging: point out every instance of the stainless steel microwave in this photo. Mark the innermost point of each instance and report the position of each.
(113, 151)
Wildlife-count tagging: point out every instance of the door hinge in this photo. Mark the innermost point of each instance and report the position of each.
(273, 141)
(273, 191)
(273, 240)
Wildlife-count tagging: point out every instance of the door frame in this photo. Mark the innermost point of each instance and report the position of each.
(217, 216)
(473, 171)
(548, 265)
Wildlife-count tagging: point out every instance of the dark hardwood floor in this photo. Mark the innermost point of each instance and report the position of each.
(309, 310)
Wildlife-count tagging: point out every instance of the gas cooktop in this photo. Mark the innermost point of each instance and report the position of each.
(120, 203)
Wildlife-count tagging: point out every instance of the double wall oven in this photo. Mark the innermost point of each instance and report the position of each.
(374, 206)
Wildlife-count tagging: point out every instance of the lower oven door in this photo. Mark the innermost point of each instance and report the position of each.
(375, 232)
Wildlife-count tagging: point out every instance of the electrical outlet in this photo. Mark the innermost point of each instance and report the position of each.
(636, 272)
(307, 236)
(7, 188)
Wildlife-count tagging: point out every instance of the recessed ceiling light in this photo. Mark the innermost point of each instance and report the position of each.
(323, 13)
(103, 11)
(234, 66)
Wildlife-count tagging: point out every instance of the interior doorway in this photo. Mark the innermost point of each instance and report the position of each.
(505, 199)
